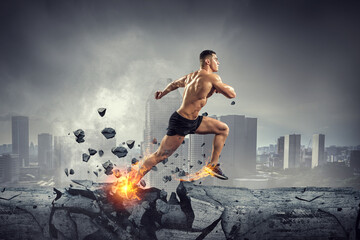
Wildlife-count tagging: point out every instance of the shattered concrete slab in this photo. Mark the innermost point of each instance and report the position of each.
(119, 151)
(102, 111)
(89, 212)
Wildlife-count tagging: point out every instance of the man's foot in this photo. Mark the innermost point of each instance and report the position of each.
(215, 170)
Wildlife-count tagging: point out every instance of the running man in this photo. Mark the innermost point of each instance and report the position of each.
(199, 86)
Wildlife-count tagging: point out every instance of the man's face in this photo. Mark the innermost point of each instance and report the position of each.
(214, 63)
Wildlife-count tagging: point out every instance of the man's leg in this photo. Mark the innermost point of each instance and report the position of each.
(221, 131)
(168, 146)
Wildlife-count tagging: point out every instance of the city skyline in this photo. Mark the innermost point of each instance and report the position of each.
(293, 64)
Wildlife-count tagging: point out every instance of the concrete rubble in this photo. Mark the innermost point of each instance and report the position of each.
(89, 211)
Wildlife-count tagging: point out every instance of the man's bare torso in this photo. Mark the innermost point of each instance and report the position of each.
(198, 88)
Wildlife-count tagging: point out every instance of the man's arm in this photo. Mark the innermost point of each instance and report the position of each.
(223, 88)
(171, 87)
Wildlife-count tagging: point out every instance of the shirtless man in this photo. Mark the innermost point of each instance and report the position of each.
(199, 86)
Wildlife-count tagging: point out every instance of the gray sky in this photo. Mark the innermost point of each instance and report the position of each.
(294, 64)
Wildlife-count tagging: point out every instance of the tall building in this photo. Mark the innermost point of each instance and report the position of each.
(280, 152)
(45, 152)
(318, 150)
(292, 151)
(20, 138)
(157, 114)
(238, 157)
(355, 160)
(9, 168)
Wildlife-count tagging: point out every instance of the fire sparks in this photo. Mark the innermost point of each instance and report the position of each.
(202, 173)
(124, 188)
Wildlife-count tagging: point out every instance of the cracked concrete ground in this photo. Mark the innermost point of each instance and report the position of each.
(87, 211)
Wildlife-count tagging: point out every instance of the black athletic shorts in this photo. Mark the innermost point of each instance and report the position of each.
(182, 126)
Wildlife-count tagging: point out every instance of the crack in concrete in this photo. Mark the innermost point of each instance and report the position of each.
(41, 228)
(302, 199)
(8, 199)
(343, 228)
(211, 197)
(208, 229)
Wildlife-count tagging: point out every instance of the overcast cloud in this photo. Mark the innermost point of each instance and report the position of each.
(293, 64)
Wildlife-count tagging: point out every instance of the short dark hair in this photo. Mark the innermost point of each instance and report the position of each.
(204, 54)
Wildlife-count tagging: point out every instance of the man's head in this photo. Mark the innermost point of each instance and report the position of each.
(209, 59)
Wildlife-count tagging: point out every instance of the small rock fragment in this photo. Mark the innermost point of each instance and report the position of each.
(177, 169)
(202, 144)
(130, 143)
(108, 133)
(96, 173)
(119, 151)
(34, 206)
(92, 151)
(176, 155)
(191, 166)
(66, 172)
(205, 114)
(85, 157)
(199, 162)
(3, 190)
(154, 168)
(182, 173)
(154, 141)
(183, 142)
(101, 153)
(58, 194)
(117, 173)
(165, 161)
(166, 179)
(72, 171)
(134, 161)
(203, 155)
(233, 103)
(108, 166)
(102, 111)
(142, 183)
(79, 134)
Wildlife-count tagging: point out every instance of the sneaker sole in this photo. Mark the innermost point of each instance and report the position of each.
(208, 170)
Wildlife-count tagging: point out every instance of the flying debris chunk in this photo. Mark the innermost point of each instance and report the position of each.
(166, 179)
(108, 133)
(134, 161)
(96, 173)
(182, 173)
(154, 141)
(66, 172)
(71, 171)
(130, 143)
(154, 168)
(199, 162)
(203, 155)
(142, 183)
(58, 194)
(177, 169)
(119, 151)
(3, 190)
(108, 166)
(202, 144)
(79, 134)
(85, 157)
(191, 166)
(117, 173)
(233, 103)
(165, 161)
(176, 155)
(123, 143)
(102, 111)
(101, 153)
(183, 142)
(205, 114)
(92, 151)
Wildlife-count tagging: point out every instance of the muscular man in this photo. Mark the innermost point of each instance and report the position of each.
(199, 86)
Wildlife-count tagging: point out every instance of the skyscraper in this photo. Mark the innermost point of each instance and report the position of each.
(238, 157)
(157, 114)
(20, 138)
(45, 152)
(280, 152)
(318, 150)
(292, 151)
(9, 168)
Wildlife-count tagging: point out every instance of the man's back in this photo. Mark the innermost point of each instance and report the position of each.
(198, 87)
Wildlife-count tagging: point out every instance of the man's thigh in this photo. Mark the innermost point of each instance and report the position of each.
(210, 125)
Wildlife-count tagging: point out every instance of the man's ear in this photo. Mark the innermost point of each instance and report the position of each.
(207, 61)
